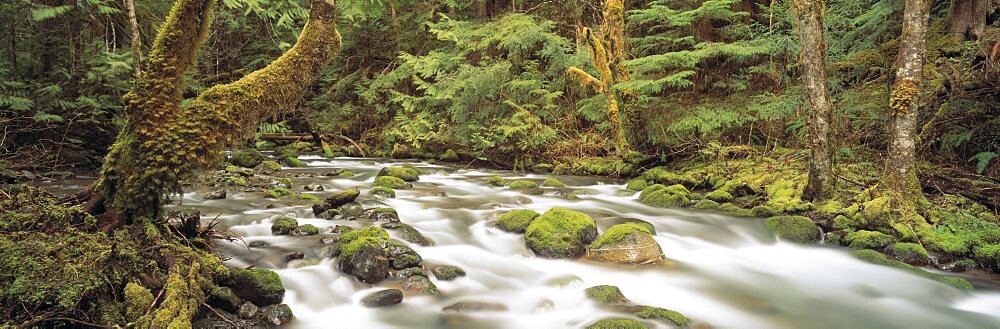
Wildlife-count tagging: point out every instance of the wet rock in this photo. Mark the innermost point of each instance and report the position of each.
(629, 243)
(391, 182)
(618, 323)
(352, 210)
(496, 181)
(408, 174)
(382, 191)
(313, 187)
(267, 168)
(277, 315)
(384, 215)
(295, 255)
(221, 319)
(475, 307)
(516, 221)
(605, 294)
(406, 261)
(623, 220)
(658, 195)
(522, 185)
(655, 313)
(248, 310)
(447, 272)
(341, 198)
(419, 285)
(552, 182)
(215, 195)
(409, 234)
(408, 272)
(283, 225)
(300, 263)
(224, 298)
(383, 298)
(910, 253)
(868, 239)
(333, 173)
(369, 263)
(259, 286)
(258, 244)
(247, 158)
(793, 228)
(308, 229)
(329, 214)
(560, 233)
(342, 229)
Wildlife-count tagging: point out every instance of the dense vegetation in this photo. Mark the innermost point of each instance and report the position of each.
(711, 90)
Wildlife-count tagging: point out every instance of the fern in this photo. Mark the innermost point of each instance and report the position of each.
(982, 160)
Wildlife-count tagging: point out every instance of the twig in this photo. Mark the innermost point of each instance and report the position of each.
(224, 318)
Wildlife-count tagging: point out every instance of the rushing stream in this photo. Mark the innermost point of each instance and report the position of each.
(727, 272)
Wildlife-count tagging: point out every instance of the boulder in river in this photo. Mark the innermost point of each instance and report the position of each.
(283, 225)
(362, 253)
(257, 285)
(409, 233)
(560, 233)
(552, 182)
(409, 174)
(626, 243)
(606, 295)
(313, 187)
(658, 195)
(391, 182)
(447, 272)
(910, 253)
(384, 215)
(224, 298)
(656, 313)
(617, 323)
(277, 315)
(308, 229)
(470, 306)
(793, 228)
(516, 221)
(215, 195)
(247, 158)
(341, 198)
(868, 239)
(419, 285)
(383, 298)
(267, 168)
(383, 191)
(522, 185)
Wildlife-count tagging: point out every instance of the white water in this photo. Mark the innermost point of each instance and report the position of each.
(723, 271)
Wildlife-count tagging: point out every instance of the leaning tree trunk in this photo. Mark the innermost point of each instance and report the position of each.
(164, 142)
(900, 178)
(809, 14)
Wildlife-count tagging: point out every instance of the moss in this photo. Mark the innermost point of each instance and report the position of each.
(236, 181)
(830, 208)
(662, 196)
(294, 162)
(347, 173)
(909, 252)
(663, 176)
(277, 192)
(257, 285)
(719, 196)
(449, 155)
(868, 239)
(552, 182)
(283, 225)
(268, 167)
(649, 312)
(383, 213)
(247, 158)
(343, 197)
(706, 204)
(596, 166)
(409, 174)
(308, 229)
(618, 232)
(636, 184)
(793, 228)
(878, 258)
(522, 185)
(989, 256)
(496, 181)
(390, 182)
(516, 221)
(307, 197)
(137, 300)
(560, 233)
(352, 241)
(236, 170)
(383, 191)
(543, 167)
(606, 294)
(842, 222)
(282, 182)
(735, 210)
(617, 323)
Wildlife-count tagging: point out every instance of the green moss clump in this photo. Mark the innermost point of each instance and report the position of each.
(449, 155)
(247, 158)
(542, 167)
(308, 197)
(719, 196)
(268, 167)
(735, 210)
(309, 229)
(618, 232)
(706, 204)
(409, 174)
(989, 256)
(618, 323)
(277, 192)
(257, 285)
(797, 229)
(636, 184)
(516, 221)
(285, 152)
(663, 176)
(560, 233)
(868, 239)
(830, 208)
(649, 312)
(352, 241)
(522, 185)
(878, 258)
(662, 196)
(598, 166)
(294, 162)
(391, 182)
(383, 191)
(552, 182)
(347, 173)
(283, 225)
(343, 197)
(496, 181)
(606, 294)
(911, 253)
(137, 300)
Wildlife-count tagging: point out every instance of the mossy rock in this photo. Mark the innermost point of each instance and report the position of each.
(449, 155)
(543, 167)
(268, 167)
(239, 171)
(235, 181)
(656, 313)
(383, 191)
(277, 192)
(352, 240)
(560, 233)
(989, 256)
(447, 272)
(409, 174)
(409, 233)
(637, 184)
(797, 229)
(247, 158)
(552, 182)
(617, 323)
(516, 221)
(910, 253)
(259, 286)
(283, 225)
(294, 162)
(522, 185)
(137, 300)
(735, 210)
(308, 229)
(868, 239)
(606, 295)
(341, 198)
(706, 204)
(223, 298)
(662, 196)
(626, 243)
(666, 177)
(307, 197)
(384, 214)
(362, 253)
(496, 181)
(875, 257)
(390, 182)
(719, 196)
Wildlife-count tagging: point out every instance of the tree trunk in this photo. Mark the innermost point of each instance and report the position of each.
(904, 100)
(163, 142)
(136, 42)
(968, 18)
(809, 14)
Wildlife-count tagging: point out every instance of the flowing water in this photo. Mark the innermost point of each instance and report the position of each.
(724, 271)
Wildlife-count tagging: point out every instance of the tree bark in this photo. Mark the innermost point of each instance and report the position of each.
(968, 18)
(904, 101)
(163, 142)
(136, 42)
(809, 14)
